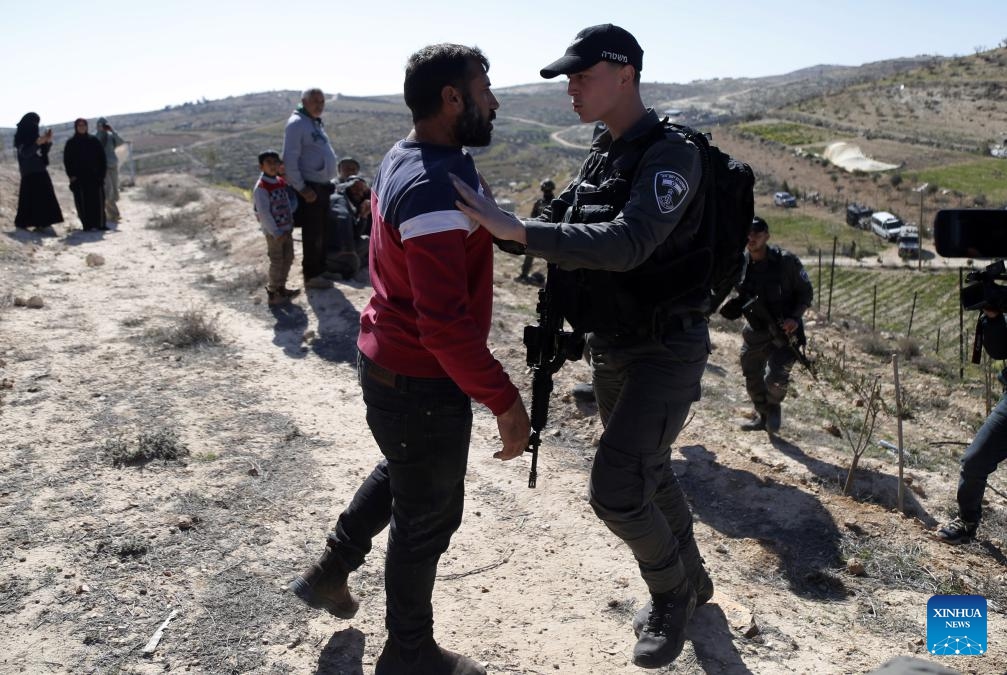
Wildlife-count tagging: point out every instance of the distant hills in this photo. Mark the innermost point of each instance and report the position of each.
(958, 105)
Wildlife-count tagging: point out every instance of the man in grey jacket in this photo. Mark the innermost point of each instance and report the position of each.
(310, 164)
(110, 140)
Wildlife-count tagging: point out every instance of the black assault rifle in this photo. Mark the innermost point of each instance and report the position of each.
(548, 348)
(755, 308)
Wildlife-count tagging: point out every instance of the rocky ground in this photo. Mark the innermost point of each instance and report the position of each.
(171, 447)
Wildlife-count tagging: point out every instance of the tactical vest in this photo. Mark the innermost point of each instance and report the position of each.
(640, 301)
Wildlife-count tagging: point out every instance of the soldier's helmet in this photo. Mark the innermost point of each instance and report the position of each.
(547, 185)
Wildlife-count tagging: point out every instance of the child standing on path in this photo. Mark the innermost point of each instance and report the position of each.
(275, 211)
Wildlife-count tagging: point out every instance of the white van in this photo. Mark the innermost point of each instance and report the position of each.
(909, 242)
(886, 225)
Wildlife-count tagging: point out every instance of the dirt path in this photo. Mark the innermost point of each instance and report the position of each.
(98, 555)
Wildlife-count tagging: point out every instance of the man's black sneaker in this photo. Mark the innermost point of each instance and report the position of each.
(429, 659)
(701, 583)
(323, 586)
(758, 424)
(956, 532)
(663, 635)
(773, 418)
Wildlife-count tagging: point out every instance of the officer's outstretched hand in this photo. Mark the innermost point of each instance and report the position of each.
(514, 429)
(500, 224)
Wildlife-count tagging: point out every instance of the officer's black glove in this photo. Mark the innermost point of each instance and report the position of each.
(732, 309)
(508, 246)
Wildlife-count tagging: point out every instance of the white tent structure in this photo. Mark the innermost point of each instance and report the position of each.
(850, 157)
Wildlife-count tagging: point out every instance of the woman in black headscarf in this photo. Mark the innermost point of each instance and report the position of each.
(36, 201)
(84, 159)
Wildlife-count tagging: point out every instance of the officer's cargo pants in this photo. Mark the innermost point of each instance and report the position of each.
(766, 367)
(644, 392)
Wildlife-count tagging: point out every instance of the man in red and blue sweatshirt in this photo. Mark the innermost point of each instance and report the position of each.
(423, 358)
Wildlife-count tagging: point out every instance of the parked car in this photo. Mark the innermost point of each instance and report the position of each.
(858, 215)
(784, 199)
(909, 242)
(886, 225)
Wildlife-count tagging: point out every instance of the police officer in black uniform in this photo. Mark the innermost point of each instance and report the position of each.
(776, 278)
(538, 208)
(617, 229)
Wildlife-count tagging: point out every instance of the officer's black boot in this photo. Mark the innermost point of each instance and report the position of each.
(663, 636)
(428, 659)
(701, 583)
(323, 586)
(758, 424)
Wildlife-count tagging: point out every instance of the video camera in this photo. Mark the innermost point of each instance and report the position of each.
(976, 233)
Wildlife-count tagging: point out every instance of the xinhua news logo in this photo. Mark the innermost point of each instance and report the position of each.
(956, 625)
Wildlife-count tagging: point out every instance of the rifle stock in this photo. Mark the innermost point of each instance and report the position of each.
(548, 347)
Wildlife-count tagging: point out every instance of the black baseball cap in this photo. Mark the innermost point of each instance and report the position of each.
(759, 225)
(597, 43)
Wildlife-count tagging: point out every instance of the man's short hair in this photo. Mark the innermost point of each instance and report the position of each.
(268, 154)
(308, 93)
(434, 67)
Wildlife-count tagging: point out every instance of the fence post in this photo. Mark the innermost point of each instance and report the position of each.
(874, 310)
(832, 276)
(818, 295)
(937, 349)
(909, 330)
(898, 415)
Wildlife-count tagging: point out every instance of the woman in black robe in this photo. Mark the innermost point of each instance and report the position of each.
(84, 159)
(36, 200)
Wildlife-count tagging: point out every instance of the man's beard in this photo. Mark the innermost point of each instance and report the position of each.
(472, 129)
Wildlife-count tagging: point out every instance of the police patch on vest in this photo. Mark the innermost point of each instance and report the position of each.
(670, 190)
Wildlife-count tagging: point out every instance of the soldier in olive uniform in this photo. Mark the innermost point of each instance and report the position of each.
(537, 209)
(777, 278)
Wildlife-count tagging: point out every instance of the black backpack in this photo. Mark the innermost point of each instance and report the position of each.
(729, 207)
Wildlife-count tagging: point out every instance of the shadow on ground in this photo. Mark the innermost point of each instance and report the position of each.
(338, 325)
(713, 641)
(868, 485)
(343, 654)
(787, 522)
(288, 331)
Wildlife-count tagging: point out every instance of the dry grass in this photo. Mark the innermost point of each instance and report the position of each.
(192, 328)
(170, 194)
(163, 444)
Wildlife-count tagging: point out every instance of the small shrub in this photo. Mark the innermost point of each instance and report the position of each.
(187, 222)
(190, 329)
(132, 546)
(874, 344)
(908, 348)
(247, 280)
(170, 194)
(133, 321)
(162, 444)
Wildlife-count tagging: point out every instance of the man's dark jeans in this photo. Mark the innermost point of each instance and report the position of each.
(422, 427)
(987, 450)
(644, 393)
(312, 219)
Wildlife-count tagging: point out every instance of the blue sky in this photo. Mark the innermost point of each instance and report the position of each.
(70, 59)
